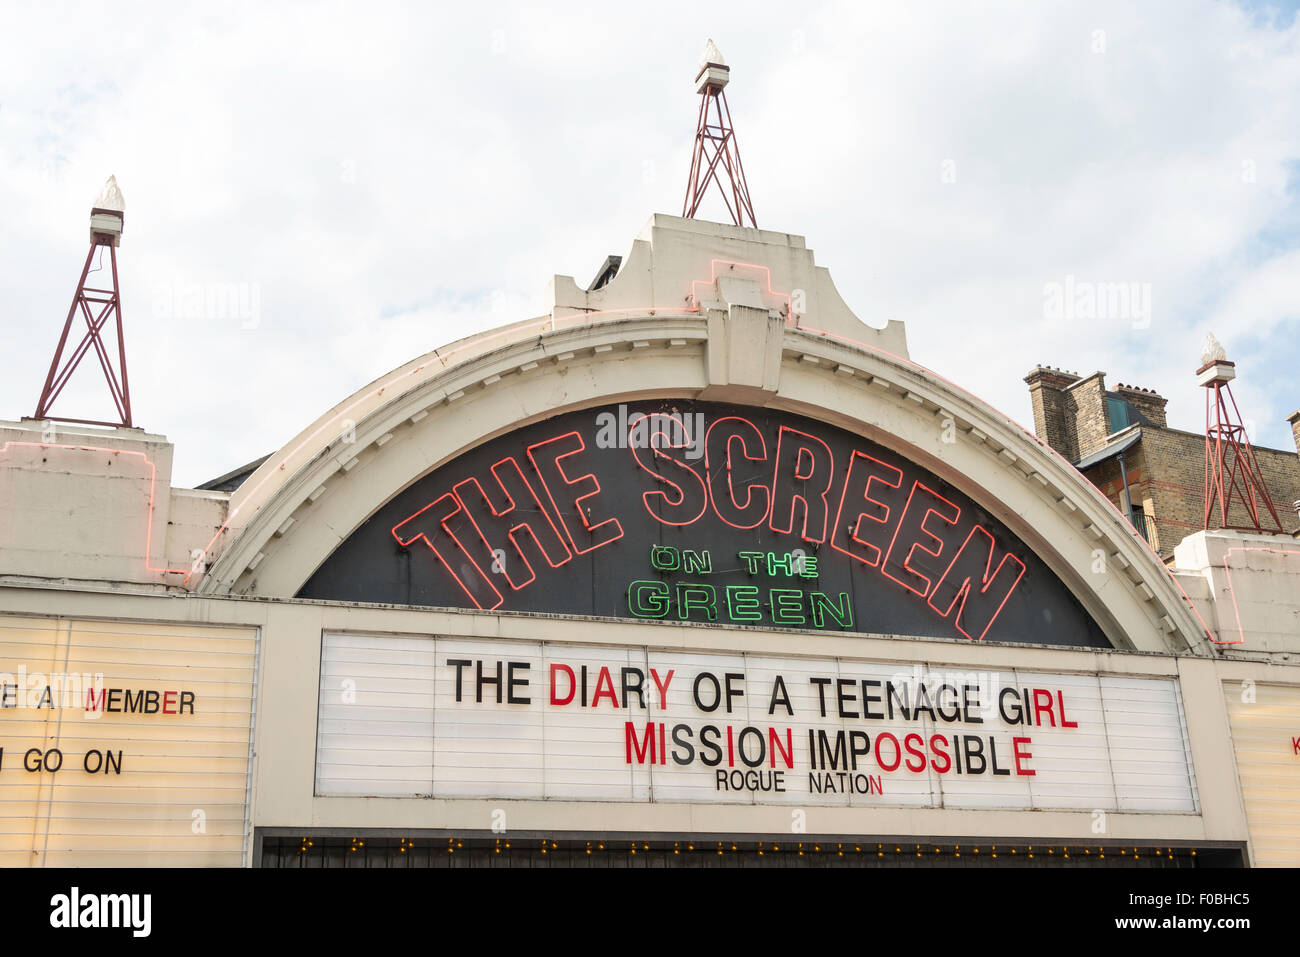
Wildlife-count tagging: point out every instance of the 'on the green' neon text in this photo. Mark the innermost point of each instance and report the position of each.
(738, 603)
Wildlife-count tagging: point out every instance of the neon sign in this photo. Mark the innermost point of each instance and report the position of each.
(742, 604)
(704, 512)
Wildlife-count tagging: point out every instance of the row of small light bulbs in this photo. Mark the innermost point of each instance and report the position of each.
(547, 846)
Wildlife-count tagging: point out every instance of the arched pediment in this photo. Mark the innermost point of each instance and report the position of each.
(729, 342)
(1037, 496)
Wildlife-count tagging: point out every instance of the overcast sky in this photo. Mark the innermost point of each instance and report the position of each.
(377, 179)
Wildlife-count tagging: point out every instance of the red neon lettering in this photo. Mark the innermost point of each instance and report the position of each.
(690, 500)
(542, 536)
(847, 536)
(1295, 742)
(971, 590)
(720, 462)
(913, 531)
(169, 699)
(429, 525)
(547, 458)
(801, 457)
(91, 704)
(977, 608)
(557, 669)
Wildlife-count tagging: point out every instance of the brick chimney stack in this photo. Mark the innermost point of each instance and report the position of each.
(1147, 402)
(1086, 398)
(1294, 419)
(1053, 421)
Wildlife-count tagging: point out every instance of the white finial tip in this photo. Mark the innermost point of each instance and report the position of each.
(110, 197)
(712, 55)
(1213, 351)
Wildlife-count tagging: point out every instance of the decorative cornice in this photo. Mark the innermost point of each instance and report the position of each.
(295, 521)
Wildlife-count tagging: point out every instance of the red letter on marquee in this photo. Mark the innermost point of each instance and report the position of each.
(847, 536)
(573, 684)
(606, 682)
(979, 606)
(912, 532)
(1022, 756)
(692, 498)
(801, 457)
(662, 685)
(547, 458)
(429, 524)
(640, 748)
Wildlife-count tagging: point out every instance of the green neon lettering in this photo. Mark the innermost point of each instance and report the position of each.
(647, 599)
(742, 603)
(692, 596)
(751, 560)
(787, 606)
(696, 563)
(808, 566)
(663, 557)
(842, 613)
(784, 564)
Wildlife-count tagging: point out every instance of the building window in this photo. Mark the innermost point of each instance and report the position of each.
(1145, 525)
(1118, 411)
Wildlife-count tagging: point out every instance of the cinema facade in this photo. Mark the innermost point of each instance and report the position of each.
(696, 568)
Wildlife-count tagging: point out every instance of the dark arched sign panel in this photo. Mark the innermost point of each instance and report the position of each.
(696, 511)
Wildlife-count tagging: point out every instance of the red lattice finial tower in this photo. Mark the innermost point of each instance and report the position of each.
(101, 310)
(716, 152)
(1232, 475)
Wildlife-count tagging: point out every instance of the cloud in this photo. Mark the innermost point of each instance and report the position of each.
(384, 178)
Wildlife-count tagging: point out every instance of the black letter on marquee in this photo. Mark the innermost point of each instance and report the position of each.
(458, 664)
(780, 696)
(512, 682)
(717, 691)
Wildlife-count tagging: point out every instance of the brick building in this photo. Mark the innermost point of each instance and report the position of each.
(1119, 439)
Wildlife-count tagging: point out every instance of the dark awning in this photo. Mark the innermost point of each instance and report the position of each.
(1109, 451)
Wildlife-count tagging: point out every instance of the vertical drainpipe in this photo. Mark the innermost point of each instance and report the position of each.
(1128, 500)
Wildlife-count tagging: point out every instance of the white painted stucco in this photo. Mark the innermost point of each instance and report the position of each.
(93, 530)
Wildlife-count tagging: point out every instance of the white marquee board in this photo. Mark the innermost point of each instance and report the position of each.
(124, 744)
(793, 730)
